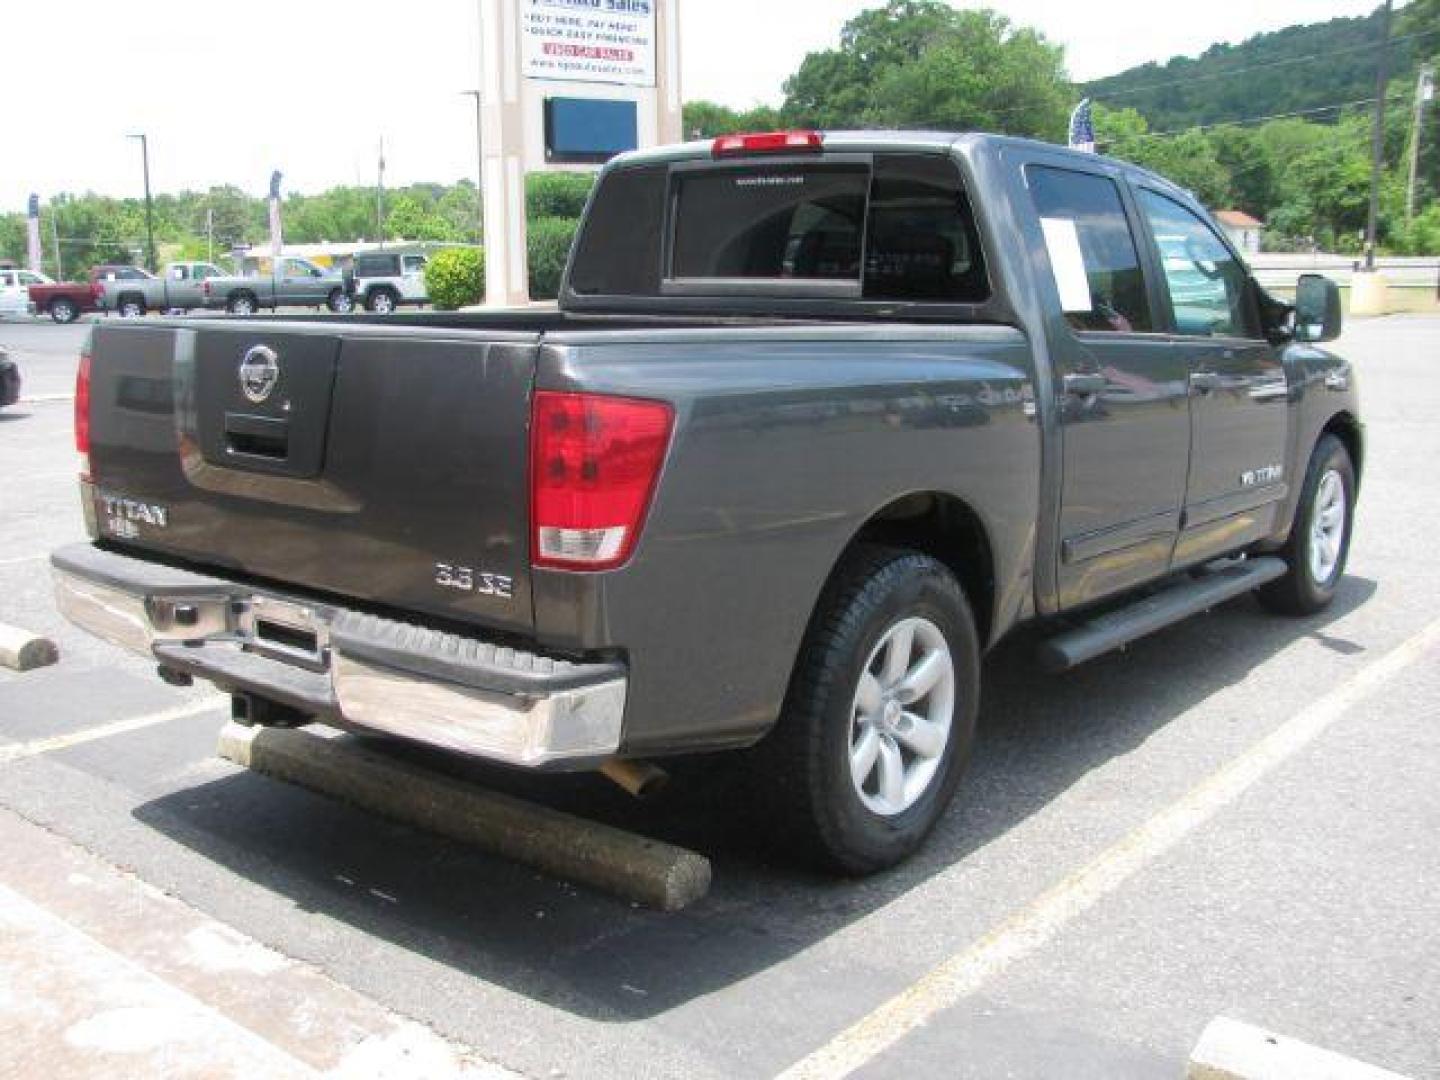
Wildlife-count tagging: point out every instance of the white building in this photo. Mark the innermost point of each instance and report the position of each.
(1242, 229)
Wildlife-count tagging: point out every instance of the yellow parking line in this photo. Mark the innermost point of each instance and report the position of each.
(104, 731)
(1033, 927)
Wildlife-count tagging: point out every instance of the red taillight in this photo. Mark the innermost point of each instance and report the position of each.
(594, 461)
(769, 142)
(82, 413)
(205, 287)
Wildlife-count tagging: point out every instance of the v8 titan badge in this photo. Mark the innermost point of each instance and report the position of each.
(259, 373)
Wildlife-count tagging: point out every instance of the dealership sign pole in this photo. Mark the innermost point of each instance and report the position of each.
(565, 85)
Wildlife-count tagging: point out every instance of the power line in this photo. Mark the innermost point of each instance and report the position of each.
(1241, 120)
(1228, 72)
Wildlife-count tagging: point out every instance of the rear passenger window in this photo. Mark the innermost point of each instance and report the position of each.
(770, 222)
(1092, 252)
(1209, 289)
(922, 242)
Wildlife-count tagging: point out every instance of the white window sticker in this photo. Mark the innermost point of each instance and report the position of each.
(1067, 262)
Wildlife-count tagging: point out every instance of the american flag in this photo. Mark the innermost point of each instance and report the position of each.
(1082, 128)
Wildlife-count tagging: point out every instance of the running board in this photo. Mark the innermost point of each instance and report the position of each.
(1189, 596)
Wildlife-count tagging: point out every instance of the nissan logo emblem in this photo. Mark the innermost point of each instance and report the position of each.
(259, 373)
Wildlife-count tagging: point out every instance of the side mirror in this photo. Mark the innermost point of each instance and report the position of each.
(1317, 309)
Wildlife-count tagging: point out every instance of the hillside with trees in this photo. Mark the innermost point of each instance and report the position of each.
(1298, 70)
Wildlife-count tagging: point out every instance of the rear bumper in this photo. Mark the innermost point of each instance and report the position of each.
(359, 671)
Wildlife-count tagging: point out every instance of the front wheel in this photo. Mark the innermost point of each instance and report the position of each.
(340, 302)
(1319, 542)
(381, 302)
(880, 716)
(64, 310)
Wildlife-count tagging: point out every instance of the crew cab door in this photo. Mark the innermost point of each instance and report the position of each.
(1238, 390)
(1122, 388)
(298, 282)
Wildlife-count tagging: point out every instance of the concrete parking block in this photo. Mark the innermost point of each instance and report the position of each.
(23, 651)
(1230, 1050)
(624, 864)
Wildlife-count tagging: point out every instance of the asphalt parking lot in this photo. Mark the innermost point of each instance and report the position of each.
(1237, 816)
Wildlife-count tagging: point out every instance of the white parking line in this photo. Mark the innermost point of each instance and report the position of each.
(1033, 927)
(21, 559)
(42, 399)
(104, 731)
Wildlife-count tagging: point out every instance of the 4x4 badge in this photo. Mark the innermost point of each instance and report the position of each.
(259, 373)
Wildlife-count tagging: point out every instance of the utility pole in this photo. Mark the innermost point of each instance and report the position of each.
(479, 166)
(380, 197)
(149, 210)
(55, 243)
(1377, 136)
(1424, 92)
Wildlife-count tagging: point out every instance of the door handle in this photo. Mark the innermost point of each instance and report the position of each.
(1204, 381)
(1085, 383)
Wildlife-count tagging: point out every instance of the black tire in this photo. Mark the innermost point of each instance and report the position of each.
(803, 767)
(130, 307)
(1300, 592)
(64, 310)
(382, 301)
(339, 301)
(242, 303)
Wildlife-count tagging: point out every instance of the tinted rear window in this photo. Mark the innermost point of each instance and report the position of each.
(796, 221)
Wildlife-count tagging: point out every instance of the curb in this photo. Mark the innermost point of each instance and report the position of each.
(624, 864)
(1230, 1050)
(23, 651)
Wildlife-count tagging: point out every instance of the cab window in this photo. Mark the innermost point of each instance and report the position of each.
(1209, 289)
(922, 242)
(413, 264)
(1092, 250)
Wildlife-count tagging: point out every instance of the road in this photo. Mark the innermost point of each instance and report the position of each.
(1236, 816)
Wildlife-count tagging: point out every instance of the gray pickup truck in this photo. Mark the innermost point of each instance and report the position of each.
(180, 287)
(821, 418)
(291, 282)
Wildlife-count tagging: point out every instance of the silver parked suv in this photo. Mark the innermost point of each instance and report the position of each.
(386, 279)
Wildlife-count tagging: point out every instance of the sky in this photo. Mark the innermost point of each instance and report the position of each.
(228, 92)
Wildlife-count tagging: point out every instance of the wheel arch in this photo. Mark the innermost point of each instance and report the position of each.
(1345, 426)
(947, 528)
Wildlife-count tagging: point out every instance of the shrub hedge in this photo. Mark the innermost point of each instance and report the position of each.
(557, 194)
(455, 277)
(549, 248)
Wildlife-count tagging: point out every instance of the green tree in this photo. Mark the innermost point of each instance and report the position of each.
(923, 63)
(705, 119)
(410, 219)
(1184, 158)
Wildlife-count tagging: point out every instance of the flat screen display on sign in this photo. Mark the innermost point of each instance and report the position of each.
(583, 131)
(601, 41)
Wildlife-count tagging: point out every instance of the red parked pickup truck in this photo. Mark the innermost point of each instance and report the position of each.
(65, 301)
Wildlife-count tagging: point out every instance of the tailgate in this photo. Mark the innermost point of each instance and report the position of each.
(382, 464)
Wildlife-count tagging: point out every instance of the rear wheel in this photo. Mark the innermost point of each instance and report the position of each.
(64, 310)
(241, 304)
(880, 715)
(131, 307)
(339, 301)
(381, 301)
(1319, 542)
